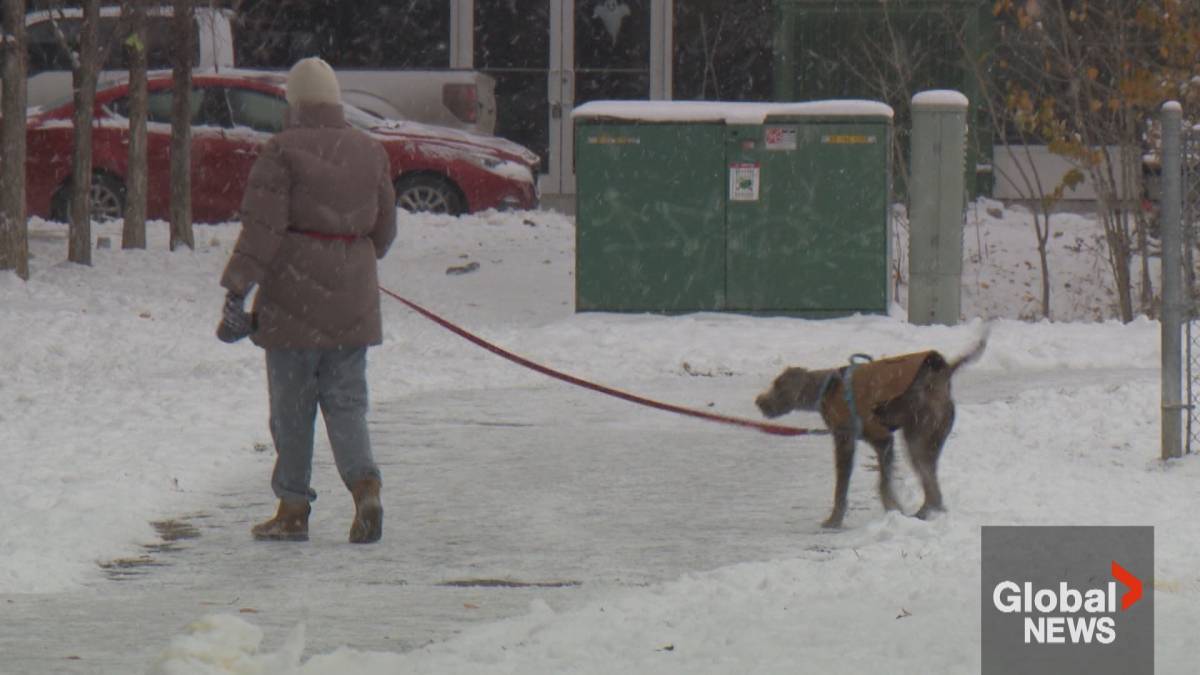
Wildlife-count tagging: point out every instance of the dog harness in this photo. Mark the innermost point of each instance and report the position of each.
(862, 385)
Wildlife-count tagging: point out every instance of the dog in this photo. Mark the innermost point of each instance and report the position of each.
(871, 400)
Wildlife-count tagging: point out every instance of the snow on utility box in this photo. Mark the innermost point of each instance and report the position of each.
(771, 208)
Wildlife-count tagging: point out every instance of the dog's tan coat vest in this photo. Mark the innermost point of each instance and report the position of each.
(873, 383)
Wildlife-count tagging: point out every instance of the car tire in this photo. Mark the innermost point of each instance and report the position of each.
(425, 193)
(107, 198)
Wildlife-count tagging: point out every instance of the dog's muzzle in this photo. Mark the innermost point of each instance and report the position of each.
(770, 405)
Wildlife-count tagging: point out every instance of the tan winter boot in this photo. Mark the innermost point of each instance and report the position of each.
(289, 524)
(367, 527)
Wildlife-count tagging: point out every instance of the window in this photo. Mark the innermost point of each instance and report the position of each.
(216, 107)
(358, 34)
(47, 53)
(723, 50)
(254, 109)
(207, 104)
(158, 106)
(159, 42)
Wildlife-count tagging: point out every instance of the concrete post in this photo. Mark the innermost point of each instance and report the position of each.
(1172, 281)
(936, 201)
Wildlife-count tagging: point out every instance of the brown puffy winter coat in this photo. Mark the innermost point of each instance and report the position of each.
(319, 209)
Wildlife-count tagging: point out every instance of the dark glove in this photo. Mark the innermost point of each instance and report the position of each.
(236, 323)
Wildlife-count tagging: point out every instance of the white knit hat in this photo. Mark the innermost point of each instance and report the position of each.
(312, 80)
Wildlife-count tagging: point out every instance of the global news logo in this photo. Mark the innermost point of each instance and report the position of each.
(1065, 614)
(1054, 600)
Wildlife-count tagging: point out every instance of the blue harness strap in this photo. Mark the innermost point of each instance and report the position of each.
(848, 392)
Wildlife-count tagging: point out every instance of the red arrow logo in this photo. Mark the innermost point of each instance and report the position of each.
(1133, 583)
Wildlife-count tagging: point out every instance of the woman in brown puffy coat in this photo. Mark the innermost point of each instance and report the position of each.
(319, 210)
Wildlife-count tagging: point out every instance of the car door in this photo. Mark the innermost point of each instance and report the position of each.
(216, 160)
(222, 150)
(256, 116)
(158, 150)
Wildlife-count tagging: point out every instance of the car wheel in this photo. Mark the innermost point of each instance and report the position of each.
(428, 194)
(107, 198)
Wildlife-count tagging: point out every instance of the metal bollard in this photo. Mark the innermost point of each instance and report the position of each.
(1172, 282)
(936, 205)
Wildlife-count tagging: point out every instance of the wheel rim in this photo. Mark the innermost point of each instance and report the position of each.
(424, 198)
(106, 203)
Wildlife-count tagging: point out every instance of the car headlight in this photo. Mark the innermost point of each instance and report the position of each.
(489, 162)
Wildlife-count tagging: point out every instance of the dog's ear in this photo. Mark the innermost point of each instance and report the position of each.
(804, 387)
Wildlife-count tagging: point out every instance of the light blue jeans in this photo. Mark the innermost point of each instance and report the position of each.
(300, 380)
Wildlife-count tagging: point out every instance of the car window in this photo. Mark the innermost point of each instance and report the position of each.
(213, 109)
(207, 105)
(46, 52)
(357, 117)
(257, 110)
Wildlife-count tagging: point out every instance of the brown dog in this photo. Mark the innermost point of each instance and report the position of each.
(909, 392)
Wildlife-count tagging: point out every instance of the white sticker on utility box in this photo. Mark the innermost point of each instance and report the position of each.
(743, 182)
(779, 138)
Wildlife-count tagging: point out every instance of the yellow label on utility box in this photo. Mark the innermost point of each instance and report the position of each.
(605, 139)
(847, 139)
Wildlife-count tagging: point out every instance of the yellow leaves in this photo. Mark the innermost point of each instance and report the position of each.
(1147, 16)
(1060, 146)
(1023, 101)
(1092, 73)
(1072, 178)
(1073, 149)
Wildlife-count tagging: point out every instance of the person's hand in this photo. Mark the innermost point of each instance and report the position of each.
(236, 323)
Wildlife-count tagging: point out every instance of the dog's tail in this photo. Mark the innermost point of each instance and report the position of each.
(974, 352)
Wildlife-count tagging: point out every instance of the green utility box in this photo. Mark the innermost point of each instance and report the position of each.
(771, 208)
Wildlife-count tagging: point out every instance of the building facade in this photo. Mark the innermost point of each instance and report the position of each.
(547, 56)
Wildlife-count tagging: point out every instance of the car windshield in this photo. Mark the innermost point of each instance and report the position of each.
(357, 117)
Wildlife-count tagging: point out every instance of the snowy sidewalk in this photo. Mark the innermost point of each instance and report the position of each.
(493, 498)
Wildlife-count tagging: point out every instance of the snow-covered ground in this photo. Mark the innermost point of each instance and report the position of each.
(119, 407)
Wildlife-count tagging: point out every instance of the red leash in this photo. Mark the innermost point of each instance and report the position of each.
(765, 427)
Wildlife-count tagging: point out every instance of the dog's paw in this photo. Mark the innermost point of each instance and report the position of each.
(926, 512)
(832, 523)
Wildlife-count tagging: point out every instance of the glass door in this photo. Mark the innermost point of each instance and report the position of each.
(512, 44)
(552, 55)
(605, 51)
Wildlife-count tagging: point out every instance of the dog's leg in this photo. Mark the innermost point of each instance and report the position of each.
(925, 447)
(885, 453)
(843, 458)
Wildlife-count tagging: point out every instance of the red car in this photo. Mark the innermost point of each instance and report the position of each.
(233, 114)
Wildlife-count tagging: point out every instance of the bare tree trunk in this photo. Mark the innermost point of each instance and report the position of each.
(79, 249)
(1007, 117)
(133, 235)
(1116, 235)
(14, 229)
(181, 127)
(1041, 230)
